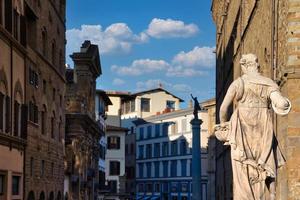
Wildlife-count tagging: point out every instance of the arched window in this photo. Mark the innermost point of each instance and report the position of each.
(51, 196)
(59, 130)
(31, 196)
(44, 42)
(43, 120)
(33, 111)
(53, 52)
(17, 114)
(52, 126)
(59, 196)
(2, 106)
(42, 196)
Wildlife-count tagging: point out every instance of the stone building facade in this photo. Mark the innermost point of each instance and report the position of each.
(32, 82)
(45, 91)
(270, 29)
(83, 132)
(13, 108)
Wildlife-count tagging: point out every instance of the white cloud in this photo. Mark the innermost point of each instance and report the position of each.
(142, 66)
(198, 57)
(118, 81)
(116, 38)
(182, 71)
(161, 28)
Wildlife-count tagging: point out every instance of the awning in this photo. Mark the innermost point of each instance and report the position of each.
(139, 197)
(147, 198)
(154, 197)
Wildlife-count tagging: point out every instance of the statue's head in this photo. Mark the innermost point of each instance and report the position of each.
(249, 63)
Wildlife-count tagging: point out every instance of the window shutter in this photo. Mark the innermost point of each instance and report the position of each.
(108, 142)
(7, 114)
(118, 142)
(1, 110)
(35, 115)
(16, 118)
(8, 15)
(118, 168)
(24, 119)
(23, 30)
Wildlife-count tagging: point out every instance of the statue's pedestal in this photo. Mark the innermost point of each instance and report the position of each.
(196, 159)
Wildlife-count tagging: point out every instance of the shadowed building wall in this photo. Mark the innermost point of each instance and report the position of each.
(269, 29)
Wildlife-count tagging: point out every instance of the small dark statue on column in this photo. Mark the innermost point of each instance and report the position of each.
(197, 106)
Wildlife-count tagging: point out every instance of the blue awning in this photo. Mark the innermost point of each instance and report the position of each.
(154, 197)
(147, 197)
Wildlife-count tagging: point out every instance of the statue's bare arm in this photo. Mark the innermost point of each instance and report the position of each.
(229, 97)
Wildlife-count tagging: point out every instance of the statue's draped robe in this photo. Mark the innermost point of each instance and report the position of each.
(254, 151)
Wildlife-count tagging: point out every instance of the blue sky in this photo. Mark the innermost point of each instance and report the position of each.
(146, 42)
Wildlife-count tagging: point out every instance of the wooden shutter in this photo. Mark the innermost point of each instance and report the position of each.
(108, 142)
(118, 142)
(23, 31)
(16, 118)
(8, 15)
(1, 110)
(7, 114)
(24, 121)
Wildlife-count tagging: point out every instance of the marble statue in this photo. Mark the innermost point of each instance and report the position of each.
(196, 107)
(255, 152)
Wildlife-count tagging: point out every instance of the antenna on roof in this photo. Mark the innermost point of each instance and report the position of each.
(160, 85)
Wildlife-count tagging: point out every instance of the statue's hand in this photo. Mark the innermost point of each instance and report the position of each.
(282, 104)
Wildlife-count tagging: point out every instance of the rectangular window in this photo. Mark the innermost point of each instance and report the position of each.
(16, 185)
(174, 168)
(183, 167)
(43, 122)
(141, 133)
(2, 184)
(148, 166)
(170, 105)
(165, 149)
(157, 150)
(183, 147)
(16, 25)
(127, 106)
(114, 168)
(149, 187)
(174, 151)
(157, 187)
(42, 168)
(8, 15)
(185, 187)
(140, 187)
(149, 151)
(149, 131)
(141, 152)
(165, 129)
(157, 130)
(174, 187)
(165, 169)
(145, 105)
(113, 142)
(33, 78)
(7, 114)
(141, 170)
(132, 105)
(156, 169)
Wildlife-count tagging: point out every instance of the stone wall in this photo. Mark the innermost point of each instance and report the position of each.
(270, 29)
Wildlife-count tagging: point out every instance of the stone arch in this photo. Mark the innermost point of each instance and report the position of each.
(3, 82)
(31, 196)
(42, 196)
(18, 92)
(59, 197)
(51, 196)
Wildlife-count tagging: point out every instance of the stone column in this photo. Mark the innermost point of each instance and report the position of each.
(196, 160)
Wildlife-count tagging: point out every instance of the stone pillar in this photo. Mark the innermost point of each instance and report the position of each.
(196, 159)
